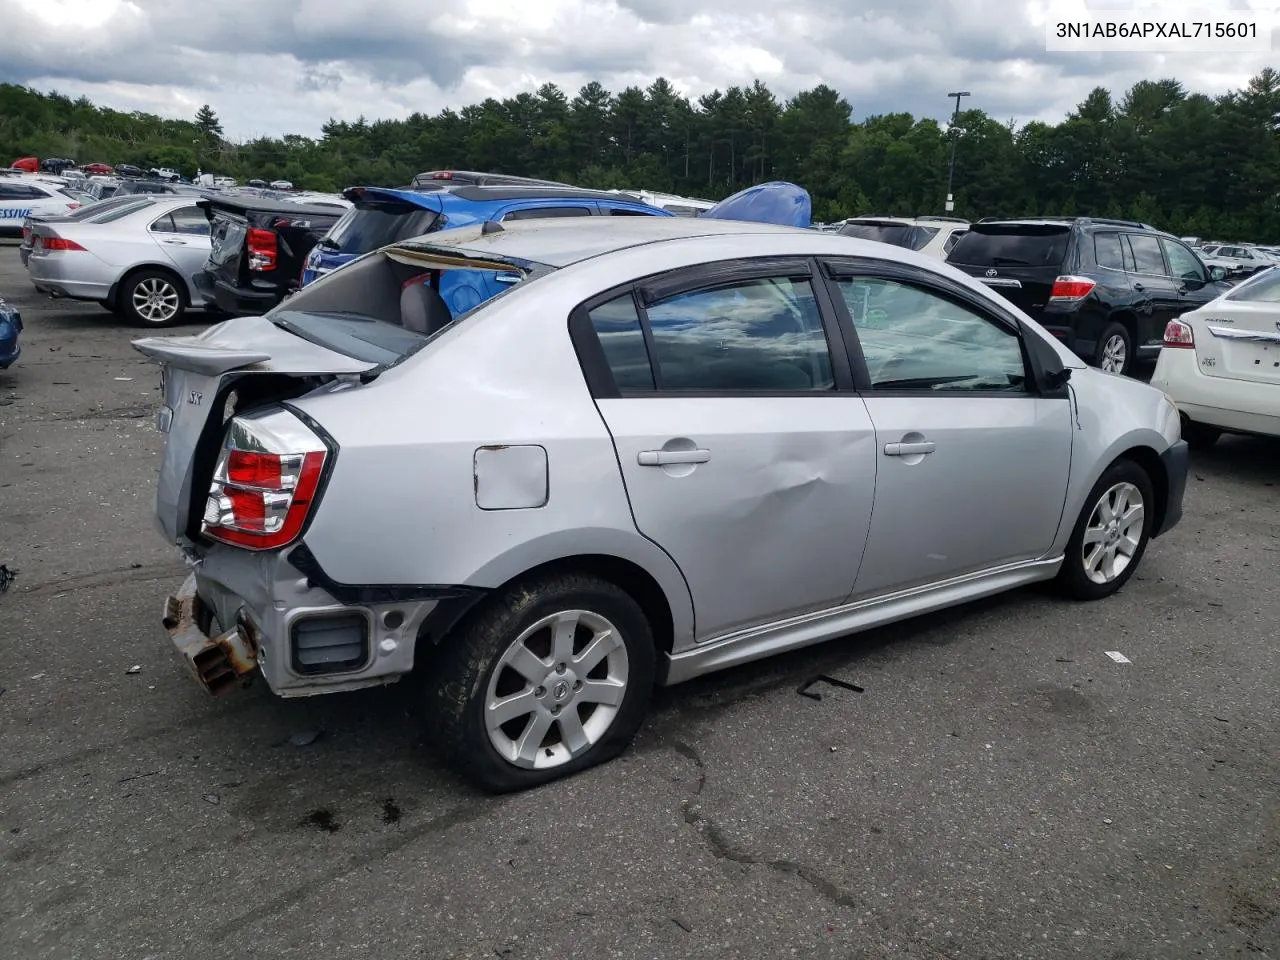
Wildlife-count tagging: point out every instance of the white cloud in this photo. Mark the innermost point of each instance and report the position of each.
(270, 68)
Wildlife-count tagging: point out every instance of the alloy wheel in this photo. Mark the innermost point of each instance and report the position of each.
(156, 300)
(1114, 354)
(1114, 533)
(556, 689)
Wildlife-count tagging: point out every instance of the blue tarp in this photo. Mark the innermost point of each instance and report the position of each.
(775, 202)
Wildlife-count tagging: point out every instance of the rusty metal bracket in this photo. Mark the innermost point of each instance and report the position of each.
(217, 662)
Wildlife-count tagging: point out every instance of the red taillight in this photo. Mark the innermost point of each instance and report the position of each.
(263, 252)
(57, 243)
(1071, 288)
(260, 499)
(72, 205)
(442, 175)
(1179, 335)
(26, 234)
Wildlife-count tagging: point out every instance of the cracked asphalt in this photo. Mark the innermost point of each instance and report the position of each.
(999, 788)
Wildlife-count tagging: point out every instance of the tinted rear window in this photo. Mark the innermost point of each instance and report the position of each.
(1106, 249)
(1012, 248)
(361, 230)
(898, 234)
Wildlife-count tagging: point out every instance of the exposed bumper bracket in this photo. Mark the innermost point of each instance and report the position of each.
(217, 662)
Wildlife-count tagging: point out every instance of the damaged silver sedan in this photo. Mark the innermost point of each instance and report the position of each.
(668, 447)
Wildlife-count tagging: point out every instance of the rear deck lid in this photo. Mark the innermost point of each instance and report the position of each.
(198, 373)
(1018, 259)
(1238, 335)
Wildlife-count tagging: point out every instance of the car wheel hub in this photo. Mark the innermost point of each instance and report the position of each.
(1113, 533)
(556, 689)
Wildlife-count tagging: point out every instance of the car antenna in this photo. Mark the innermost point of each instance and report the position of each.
(491, 226)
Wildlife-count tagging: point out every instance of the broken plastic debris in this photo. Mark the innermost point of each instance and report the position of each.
(37, 676)
(136, 668)
(1107, 820)
(304, 738)
(6, 577)
(124, 379)
(1118, 657)
(211, 798)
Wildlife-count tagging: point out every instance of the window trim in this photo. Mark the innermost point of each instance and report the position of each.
(846, 268)
(713, 276)
(1167, 275)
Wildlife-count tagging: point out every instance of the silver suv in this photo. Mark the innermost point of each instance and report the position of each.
(670, 446)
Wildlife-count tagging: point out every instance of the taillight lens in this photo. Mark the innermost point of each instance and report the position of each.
(1067, 289)
(57, 243)
(263, 253)
(265, 482)
(73, 205)
(1179, 335)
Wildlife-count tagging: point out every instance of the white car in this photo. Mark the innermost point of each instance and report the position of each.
(1220, 364)
(280, 185)
(932, 236)
(22, 197)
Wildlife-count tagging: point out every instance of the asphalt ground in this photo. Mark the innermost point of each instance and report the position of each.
(1000, 787)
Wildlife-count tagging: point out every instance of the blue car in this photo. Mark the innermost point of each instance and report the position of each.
(10, 327)
(381, 215)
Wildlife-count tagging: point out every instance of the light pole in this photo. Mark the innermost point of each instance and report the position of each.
(951, 166)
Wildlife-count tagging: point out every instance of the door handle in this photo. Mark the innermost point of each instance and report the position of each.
(1139, 287)
(176, 243)
(661, 458)
(908, 449)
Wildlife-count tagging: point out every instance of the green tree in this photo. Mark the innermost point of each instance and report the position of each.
(208, 121)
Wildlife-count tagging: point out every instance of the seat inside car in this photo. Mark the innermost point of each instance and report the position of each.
(422, 309)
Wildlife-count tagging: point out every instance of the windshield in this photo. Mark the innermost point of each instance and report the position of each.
(1263, 287)
(367, 228)
(898, 234)
(120, 207)
(1033, 247)
(356, 336)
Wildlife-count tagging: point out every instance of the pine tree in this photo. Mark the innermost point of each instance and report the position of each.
(208, 121)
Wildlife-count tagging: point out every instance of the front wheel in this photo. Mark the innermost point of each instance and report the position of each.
(549, 678)
(1111, 534)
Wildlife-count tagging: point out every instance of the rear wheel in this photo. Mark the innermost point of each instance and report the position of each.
(1114, 353)
(1111, 534)
(1199, 436)
(151, 298)
(549, 678)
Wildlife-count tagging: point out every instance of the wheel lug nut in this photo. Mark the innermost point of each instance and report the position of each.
(540, 692)
(560, 668)
(577, 684)
(556, 708)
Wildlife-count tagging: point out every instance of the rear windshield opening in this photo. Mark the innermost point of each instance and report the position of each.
(898, 234)
(366, 228)
(1011, 248)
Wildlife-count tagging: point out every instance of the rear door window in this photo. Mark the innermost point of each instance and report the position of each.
(1108, 251)
(617, 326)
(190, 221)
(752, 335)
(1033, 247)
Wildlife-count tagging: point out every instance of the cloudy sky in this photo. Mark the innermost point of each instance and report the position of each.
(270, 67)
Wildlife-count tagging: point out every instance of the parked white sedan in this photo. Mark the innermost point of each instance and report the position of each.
(1220, 364)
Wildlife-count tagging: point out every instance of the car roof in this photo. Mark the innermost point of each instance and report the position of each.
(559, 242)
(240, 201)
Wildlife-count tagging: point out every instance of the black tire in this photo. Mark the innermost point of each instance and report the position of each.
(1073, 579)
(1199, 436)
(159, 286)
(1114, 332)
(460, 673)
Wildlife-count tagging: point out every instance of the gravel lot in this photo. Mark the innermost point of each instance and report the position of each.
(1000, 788)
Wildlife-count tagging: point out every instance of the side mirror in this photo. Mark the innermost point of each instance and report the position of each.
(1051, 374)
(1217, 274)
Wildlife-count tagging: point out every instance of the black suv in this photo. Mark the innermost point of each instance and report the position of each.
(1105, 288)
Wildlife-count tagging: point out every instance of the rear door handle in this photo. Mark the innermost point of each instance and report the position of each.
(1139, 287)
(908, 449)
(176, 243)
(661, 458)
